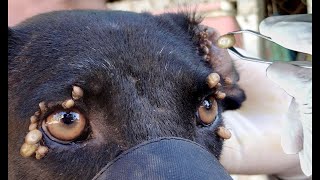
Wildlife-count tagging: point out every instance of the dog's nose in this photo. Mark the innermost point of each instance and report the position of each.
(164, 158)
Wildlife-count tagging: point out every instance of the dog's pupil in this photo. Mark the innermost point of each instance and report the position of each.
(207, 104)
(68, 118)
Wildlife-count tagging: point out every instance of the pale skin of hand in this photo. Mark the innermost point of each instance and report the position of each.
(296, 135)
(294, 32)
(273, 129)
(255, 145)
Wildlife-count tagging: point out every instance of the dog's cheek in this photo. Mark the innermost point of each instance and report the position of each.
(18, 166)
(81, 163)
(208, 138)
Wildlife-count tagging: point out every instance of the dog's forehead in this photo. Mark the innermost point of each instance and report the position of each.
(97, 49)
(109, 35)
(112, 40)
(103, 24)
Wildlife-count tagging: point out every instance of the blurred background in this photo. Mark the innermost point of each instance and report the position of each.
(223, 15)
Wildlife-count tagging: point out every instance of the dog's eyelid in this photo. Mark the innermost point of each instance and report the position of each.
(58, 106)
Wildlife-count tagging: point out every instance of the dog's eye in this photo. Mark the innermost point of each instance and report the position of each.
(208, 110)
(64, 126)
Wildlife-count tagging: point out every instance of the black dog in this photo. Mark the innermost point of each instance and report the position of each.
(142, 77)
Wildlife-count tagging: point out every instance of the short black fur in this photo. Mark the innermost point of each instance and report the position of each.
(141, 77)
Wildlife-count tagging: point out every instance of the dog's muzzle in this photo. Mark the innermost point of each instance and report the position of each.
(168, 158)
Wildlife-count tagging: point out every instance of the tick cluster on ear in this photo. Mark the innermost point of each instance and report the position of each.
(204, 35)
(33, 140)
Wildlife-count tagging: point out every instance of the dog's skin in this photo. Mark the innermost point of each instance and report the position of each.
(142, 79)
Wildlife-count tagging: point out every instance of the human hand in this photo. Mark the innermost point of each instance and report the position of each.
(297, 130)
(294, 32)
(290, 31)
(255, 144)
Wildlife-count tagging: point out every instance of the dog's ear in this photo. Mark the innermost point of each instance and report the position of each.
(221, 63)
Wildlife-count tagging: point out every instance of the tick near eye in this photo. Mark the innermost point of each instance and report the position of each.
(208, 110)
(41, 152)
(223, 133)
(33, 137)
(213, 79)
(69, 103)
(64, 125)
(28, 150)
(77, 92)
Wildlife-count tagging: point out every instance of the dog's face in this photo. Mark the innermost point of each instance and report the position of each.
(142, 77)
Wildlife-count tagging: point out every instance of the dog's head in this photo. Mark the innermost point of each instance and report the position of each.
(140, 77)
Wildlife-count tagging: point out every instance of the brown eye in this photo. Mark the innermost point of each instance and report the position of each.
(208, 110)
(64, 126)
